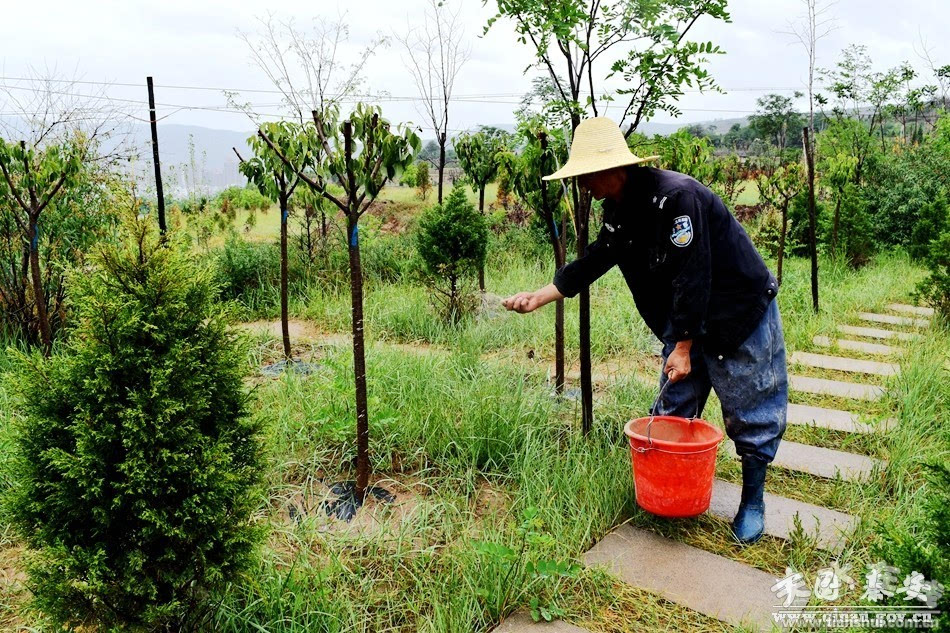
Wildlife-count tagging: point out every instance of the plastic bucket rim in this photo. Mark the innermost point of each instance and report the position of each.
(708, 444)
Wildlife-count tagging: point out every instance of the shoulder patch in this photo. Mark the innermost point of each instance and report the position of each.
(682, 233)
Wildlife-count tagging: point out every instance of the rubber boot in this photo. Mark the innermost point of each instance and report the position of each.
(749, 523)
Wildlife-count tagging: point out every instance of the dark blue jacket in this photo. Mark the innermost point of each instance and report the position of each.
(690, 265)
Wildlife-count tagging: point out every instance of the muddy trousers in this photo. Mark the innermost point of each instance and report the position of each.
(751, 383)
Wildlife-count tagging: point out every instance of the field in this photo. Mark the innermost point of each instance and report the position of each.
(466, 433)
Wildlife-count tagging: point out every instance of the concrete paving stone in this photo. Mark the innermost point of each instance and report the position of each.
(818, 461)
(830, 527)
(871, 332)
(892, 319)
(834, 419)
(840, 363)
(857, 346)
(717, 586)
(521, 622)
(856, 391)
(909, 309)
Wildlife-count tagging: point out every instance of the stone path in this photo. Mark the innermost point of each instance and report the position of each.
(856, 346)
(823, 386)
(908, 309)
(840, 363)
(521, 622)
(871, 332)
(715, 585)
(819, 461)
(830, 527)
(893, 320)
(835, 419)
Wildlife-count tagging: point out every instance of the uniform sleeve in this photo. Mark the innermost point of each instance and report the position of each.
(599, 257)
(690, 266)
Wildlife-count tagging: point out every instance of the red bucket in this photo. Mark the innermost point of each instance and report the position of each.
(674, 463)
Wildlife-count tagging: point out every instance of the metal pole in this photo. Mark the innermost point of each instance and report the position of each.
(162, 227)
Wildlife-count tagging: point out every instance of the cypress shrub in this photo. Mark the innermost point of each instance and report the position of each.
(137, 466)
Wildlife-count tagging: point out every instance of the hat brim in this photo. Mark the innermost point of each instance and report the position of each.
(590, 166)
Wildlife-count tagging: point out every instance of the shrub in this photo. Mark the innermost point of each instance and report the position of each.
(244, 269)
(452, 242)
(935, 289)
(136, 464)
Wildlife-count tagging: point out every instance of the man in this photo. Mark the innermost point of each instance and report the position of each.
(701, 287)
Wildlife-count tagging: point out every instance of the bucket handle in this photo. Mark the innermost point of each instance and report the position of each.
(656, 403)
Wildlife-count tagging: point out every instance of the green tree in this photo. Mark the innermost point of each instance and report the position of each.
(777, 190)
(423, 181)
(541, 151)
(136, 468)
(582, 43)
(452, 242)
(478, 154)
(776, 117)
(36, 176)
(277, 180)
(361, 154)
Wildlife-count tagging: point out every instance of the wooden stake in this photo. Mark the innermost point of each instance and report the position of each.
(162, 227)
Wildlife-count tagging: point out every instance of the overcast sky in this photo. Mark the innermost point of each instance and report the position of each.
(196, 43)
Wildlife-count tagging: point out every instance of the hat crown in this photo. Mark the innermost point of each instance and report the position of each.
(598, 144)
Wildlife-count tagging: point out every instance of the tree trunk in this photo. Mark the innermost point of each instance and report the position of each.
(46, 335)
(781, 241)
(812, 220)
(441, 163)
(284, 319)
(587, 386)
(556, 246)
(359, 362)
(481, 208)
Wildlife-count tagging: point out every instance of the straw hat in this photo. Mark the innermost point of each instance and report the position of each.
(598, 145)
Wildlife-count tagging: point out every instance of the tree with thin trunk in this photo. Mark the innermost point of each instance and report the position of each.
(777, 190)
(360, 154)
(435, 53)
(478, 154)
(34, 178)
(277, 180)
(542, 152)
(580, 44)
(815, 25)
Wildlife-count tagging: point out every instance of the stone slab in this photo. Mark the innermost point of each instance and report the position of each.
(909, 309)
(818, 461)
(840, 363)
(872, 332)
(822, 386)
(830, 527)
(857, 346)
(521, 622)
(891, 319)
(834, 419)
(719, 587)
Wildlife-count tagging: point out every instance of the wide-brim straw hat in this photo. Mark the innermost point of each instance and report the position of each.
(598, 145)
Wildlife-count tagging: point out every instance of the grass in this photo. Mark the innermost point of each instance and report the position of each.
(464, 430)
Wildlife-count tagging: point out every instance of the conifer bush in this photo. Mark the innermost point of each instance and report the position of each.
(452, 242)
(137, 465)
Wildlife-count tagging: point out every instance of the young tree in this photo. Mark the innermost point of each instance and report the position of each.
(452, 242)
(590, 41)
(277, 180)
(423, 181)
(436, 52)
(541, 152)
(478, 156)
(361, 154)
(815, 26)
(136, 464)
(777, 190)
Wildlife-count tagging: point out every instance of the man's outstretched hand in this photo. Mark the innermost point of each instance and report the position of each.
(525, 302)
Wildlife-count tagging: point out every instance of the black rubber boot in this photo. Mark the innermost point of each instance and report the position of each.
(749, 523)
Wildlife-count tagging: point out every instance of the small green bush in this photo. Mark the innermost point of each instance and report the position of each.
(935, 289)
(243, 269)
(452, 242)
(136, 466)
